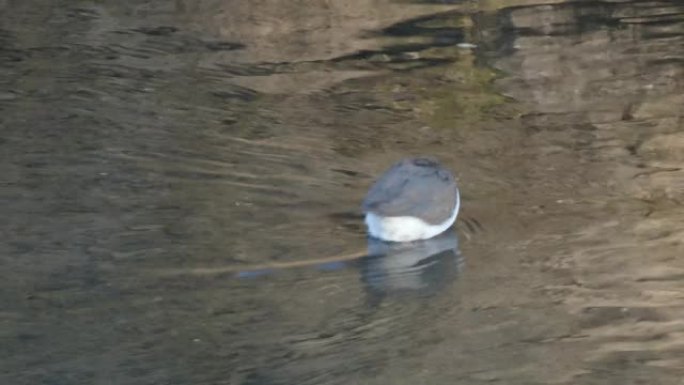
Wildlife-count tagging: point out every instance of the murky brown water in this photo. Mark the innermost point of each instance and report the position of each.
(154, 153)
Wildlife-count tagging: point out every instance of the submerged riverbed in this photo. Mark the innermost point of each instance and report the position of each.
(181, 183)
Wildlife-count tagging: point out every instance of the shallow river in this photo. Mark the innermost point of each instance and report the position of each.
(181, 180)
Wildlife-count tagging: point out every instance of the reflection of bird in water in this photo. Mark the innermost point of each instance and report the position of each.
(415, 199)
(420, 267)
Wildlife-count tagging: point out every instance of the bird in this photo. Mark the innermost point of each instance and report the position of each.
(415, 199)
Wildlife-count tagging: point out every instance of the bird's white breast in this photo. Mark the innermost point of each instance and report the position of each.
(406, 228)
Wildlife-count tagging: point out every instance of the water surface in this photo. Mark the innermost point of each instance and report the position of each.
(181, 183)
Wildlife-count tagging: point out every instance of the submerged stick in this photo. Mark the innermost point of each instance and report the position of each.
(253, 270)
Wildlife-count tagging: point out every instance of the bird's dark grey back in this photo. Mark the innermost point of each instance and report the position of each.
(418, 187)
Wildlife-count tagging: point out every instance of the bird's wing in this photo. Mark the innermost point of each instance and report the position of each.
(411, 192)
